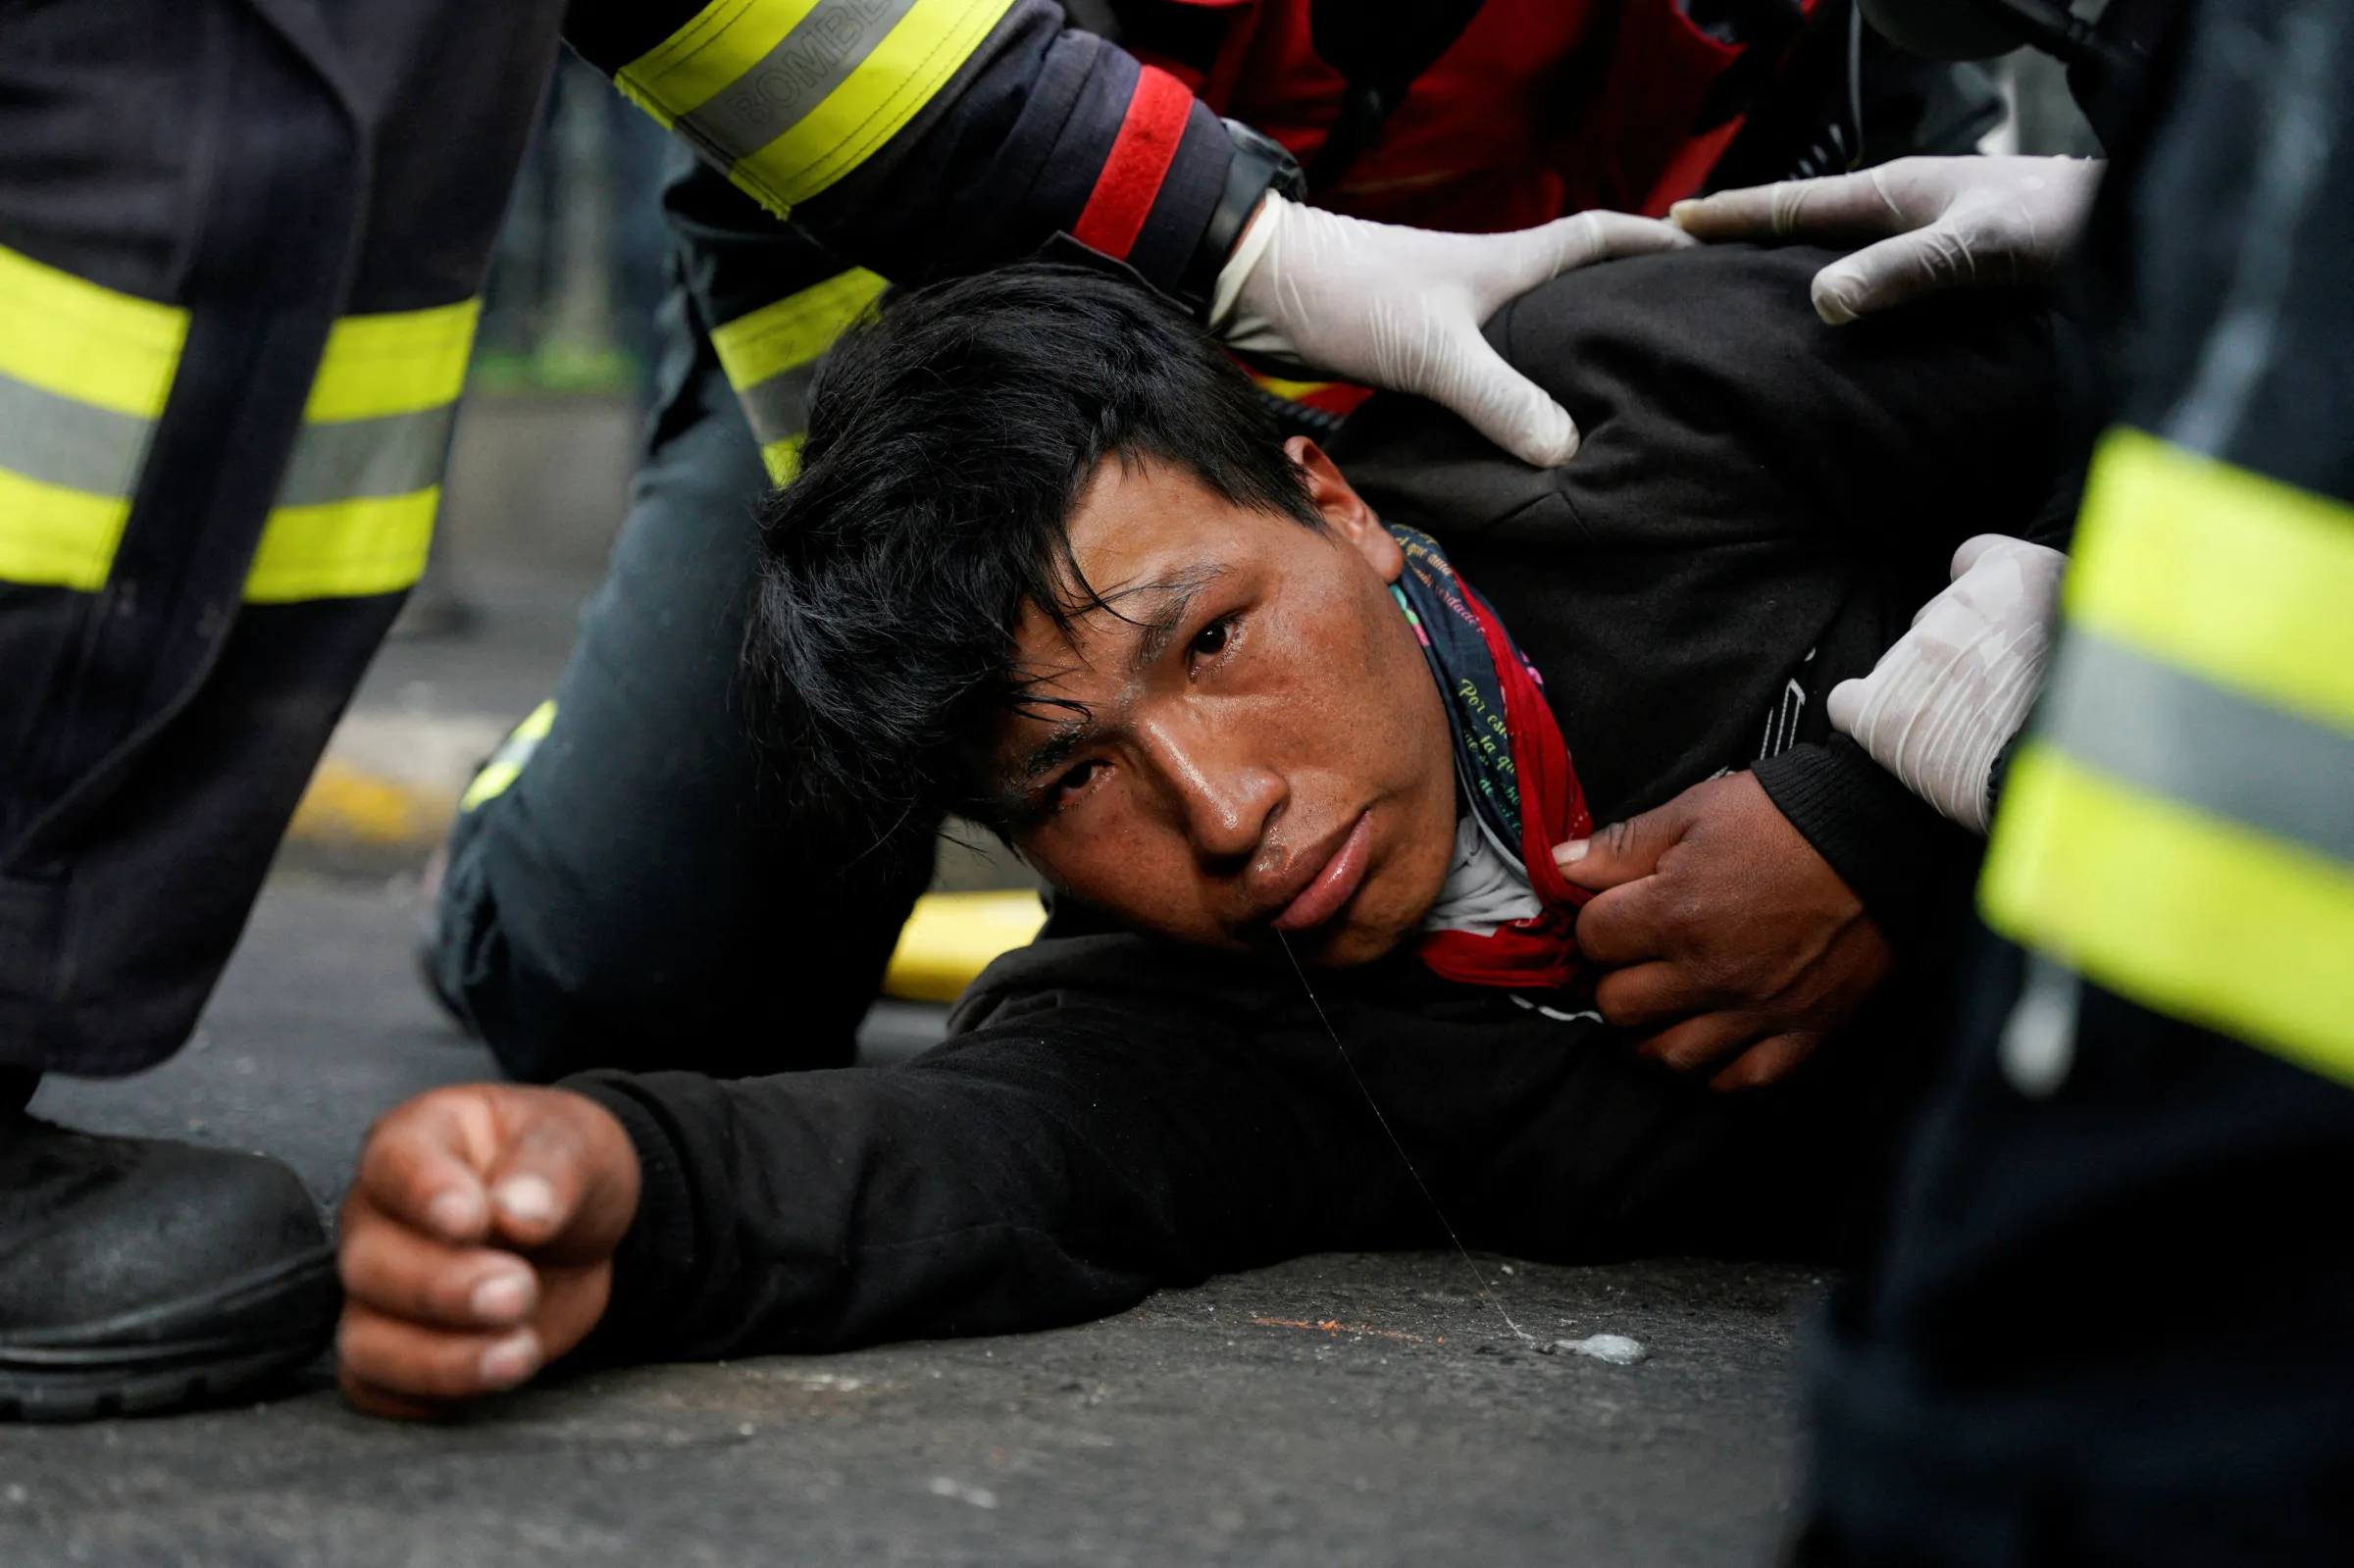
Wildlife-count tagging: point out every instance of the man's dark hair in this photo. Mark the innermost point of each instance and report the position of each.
(950, 437)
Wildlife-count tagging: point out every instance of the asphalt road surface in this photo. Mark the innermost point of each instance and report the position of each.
(1334, 1410)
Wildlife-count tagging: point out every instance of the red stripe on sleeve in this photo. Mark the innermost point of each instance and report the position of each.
(1140, 159)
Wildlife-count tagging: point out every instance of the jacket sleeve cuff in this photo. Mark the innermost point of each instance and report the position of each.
(659, 1253)
(1901, 858)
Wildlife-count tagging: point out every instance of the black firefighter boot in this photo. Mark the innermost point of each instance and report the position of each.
(138, 1275)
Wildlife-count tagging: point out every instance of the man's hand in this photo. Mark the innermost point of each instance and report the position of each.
(1724, 931)
(1957, 223)
(478, 1242)
(1401, 308)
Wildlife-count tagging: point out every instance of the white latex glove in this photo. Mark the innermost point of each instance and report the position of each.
(1401, 308)
(1957, 223)
(1942, 703)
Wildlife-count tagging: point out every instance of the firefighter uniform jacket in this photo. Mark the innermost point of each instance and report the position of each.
(241, 243)
(2179, 826)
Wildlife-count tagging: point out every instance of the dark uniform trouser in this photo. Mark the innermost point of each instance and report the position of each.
(632, 897)
(2111, 1325)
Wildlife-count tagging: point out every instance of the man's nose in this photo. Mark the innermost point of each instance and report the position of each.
(1224, 797)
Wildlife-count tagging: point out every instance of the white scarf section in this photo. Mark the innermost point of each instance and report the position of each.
(1487, 888)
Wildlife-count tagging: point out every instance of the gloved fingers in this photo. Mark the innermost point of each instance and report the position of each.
(1584, 238)
(1977, 548)
(1835, 207)
(1501, 403)
(2036, 568)
(1501, 267)
(1893, 273)
(1849, 701)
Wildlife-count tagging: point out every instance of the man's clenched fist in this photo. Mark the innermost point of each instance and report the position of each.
(478, 1242)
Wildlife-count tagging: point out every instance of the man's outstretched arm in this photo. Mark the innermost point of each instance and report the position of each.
(1028, 1175)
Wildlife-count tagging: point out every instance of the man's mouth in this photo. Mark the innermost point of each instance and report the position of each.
(1334, 883)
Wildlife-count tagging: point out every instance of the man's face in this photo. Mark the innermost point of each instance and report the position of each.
(1257, 746)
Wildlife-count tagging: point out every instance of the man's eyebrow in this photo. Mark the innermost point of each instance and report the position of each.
(1177, 593)
(1052, 752)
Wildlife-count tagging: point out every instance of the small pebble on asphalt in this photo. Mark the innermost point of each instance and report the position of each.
(1616, 1348)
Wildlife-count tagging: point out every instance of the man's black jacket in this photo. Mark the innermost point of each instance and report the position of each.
(1761, 504)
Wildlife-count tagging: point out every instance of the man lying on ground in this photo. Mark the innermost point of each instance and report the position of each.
(1310, 749)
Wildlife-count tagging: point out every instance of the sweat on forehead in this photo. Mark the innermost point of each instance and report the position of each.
(950, 438)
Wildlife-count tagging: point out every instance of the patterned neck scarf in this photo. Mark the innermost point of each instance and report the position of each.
(1514, 769)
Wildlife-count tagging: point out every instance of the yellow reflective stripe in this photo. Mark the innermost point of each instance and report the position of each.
(1291, 392)
(887, 90)
(342, 549)
(506, 764)
(64, 337)
(74, 338)
(2178, 829)
(396, 362)
(793, 330)
(368, 429)
(759, 348)
(88, 370)
(783, 459)
(51, 536)
(2200, 918)
(868, 94)
(717, 45)
(2240, 578)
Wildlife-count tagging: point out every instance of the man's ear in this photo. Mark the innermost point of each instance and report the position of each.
(1345, 511)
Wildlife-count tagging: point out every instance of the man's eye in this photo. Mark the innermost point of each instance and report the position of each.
(1212, 639)
(1074, 781)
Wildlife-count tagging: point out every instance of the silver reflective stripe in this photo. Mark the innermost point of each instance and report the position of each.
(793, 78)
(65, 442)
(779, 407)
(2038, 1042)
(398, 454)
(2170, 733)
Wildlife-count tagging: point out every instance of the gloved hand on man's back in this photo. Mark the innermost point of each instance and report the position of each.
(1949, 693)
(1938, 222)
(1401, 308)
